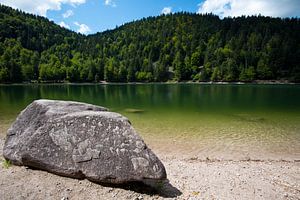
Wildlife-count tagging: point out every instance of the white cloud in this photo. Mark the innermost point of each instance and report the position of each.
(275, 8)
(110, 3)
(63, 24)
(82, 28)
(166, 10)
(40, 7)
(68, 13)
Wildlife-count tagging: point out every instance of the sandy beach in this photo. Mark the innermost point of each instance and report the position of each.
(189, 178)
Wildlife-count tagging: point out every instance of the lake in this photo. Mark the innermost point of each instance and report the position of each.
(215, 121)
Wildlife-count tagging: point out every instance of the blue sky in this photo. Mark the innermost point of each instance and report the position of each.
(99, 17)
(91, 16)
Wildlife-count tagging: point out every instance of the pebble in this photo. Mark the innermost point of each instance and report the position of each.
(110, 190)
(192, 198)
(114, 195)
(140, 197)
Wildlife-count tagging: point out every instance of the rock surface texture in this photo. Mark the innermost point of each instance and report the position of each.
(81, 141)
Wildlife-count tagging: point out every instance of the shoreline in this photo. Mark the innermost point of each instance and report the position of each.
(255, 82)
(188, 179)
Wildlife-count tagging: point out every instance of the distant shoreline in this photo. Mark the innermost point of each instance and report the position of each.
(255, 82)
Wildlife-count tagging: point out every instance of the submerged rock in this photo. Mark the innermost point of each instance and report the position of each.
(81, 141)
(133, 110)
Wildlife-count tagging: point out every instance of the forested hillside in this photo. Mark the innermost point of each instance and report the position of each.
(179, 47)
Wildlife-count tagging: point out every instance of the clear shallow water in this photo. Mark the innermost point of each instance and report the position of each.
(188, 120)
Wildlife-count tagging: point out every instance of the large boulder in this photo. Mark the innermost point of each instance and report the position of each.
(81, 141)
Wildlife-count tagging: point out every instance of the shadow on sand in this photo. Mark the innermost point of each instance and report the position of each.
(163, 189)
(166, 190)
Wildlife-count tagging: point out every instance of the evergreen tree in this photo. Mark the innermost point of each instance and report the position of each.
(180, 46)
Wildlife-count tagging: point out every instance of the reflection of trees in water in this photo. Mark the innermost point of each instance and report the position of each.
(17, 97)
(194, 97)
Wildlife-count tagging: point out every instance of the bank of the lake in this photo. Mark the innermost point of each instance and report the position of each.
(217, 141)
(276, 82)
(189, 178)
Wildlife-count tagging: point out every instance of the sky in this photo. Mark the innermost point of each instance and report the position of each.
(91, 16)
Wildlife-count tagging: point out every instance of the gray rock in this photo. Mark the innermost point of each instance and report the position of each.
(81, 141)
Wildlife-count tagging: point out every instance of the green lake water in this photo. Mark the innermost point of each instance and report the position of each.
(218, 121)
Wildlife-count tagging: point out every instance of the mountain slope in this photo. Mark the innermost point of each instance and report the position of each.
(182, 46)
(203, 47)
(34, 32)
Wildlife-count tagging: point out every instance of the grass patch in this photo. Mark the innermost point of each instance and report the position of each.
(6, 163)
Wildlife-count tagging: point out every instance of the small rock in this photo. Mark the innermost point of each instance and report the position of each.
(114, 195)
(110, 190)
(140, 197)
(193, 198)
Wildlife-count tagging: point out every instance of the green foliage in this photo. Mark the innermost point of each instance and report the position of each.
(6, 163)
(247, 74)
(181, 46)
(216, 75)
(263, 70)
(3, 75)
(231, 70)
(144, 76)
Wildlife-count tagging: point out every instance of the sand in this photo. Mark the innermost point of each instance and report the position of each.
(189, 178)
